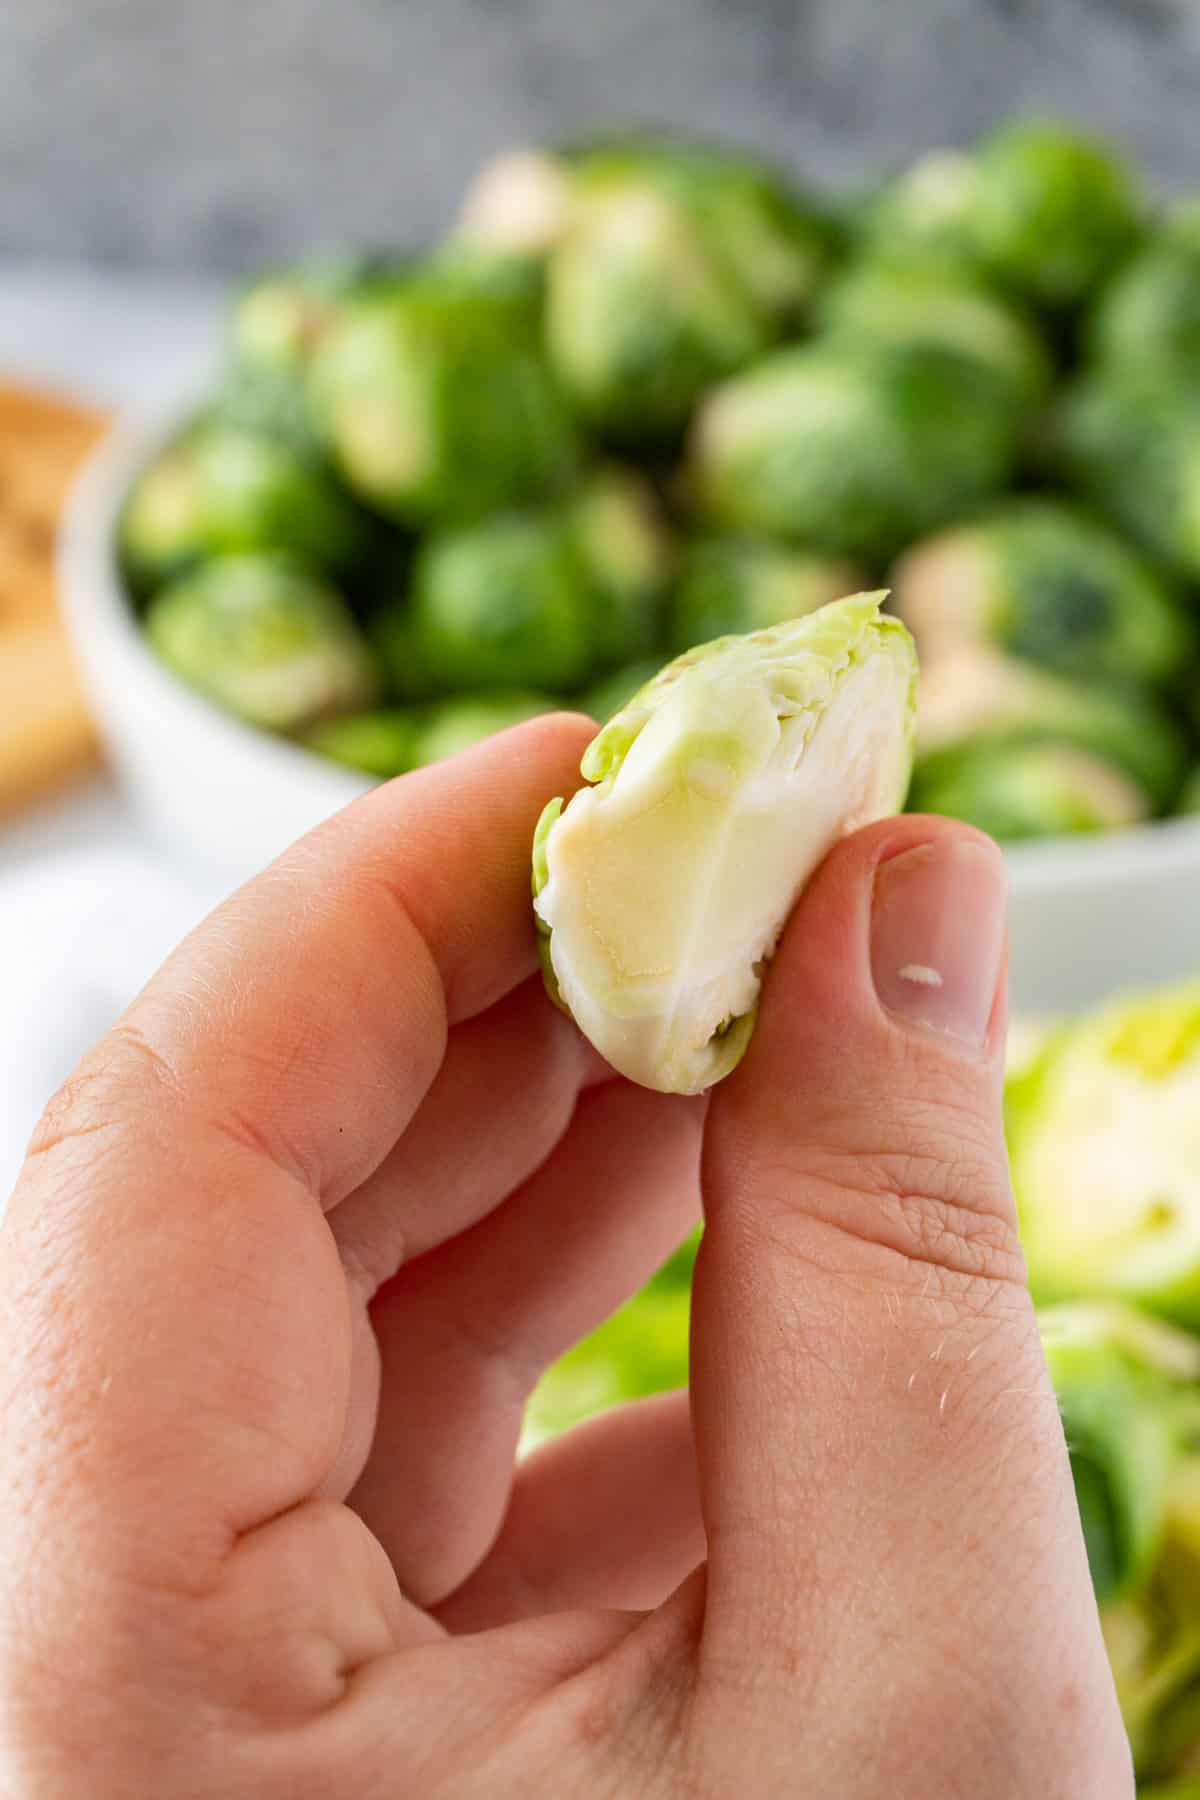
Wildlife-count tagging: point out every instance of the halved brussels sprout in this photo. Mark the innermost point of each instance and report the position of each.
(921, 302)
(504, 603)
(434, 406)
(265, 639)
(218, 488)
(1043, 581)
(1104, 1137)
(1150, 311)
(662, 887)
(1015, 791)
(1043, 209)
(455, 725)
(377, 743)
(625, 548)
(979, 696)
(730, 583)
(852, 448)
(1130, 441)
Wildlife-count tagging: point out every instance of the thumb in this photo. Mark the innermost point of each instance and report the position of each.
(880, 1455)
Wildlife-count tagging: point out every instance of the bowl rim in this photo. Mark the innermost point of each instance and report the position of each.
(96, 603)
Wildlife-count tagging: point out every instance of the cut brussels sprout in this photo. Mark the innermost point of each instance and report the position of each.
(504, 603)
(1150, 311)
(219, 488)
(662, 887)
(264, 639)
(856, 449)
(730, 584)
(1015, 791)
(1130, 441)
(1104, 1137)
(1043, 209)
(606, 697)
(1045, 582)
(457, 724)
(377, 743)
(980, 696)
(922, 303)
(625, 549)
(435, 407)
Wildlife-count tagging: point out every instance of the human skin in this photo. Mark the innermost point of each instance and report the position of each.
(295, 1241)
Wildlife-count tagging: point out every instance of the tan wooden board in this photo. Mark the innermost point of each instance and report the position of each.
(45, 731)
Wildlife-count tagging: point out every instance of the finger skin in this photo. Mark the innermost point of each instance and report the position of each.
(890, 1517)
(465, 1332)
(607, 1515)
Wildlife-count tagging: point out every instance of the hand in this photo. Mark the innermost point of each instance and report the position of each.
(294, 1243)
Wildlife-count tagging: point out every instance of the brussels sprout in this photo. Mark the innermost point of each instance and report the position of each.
(622, 541)
(280, 319)
(662, 888)
(640, 315)
(922, 303)
(729, 584)
(1104, 1137)
(640, 1350)
(1042, 209)
(265, 639)
(378, 743)
(519, 204)
(504, 603)
(979, 696)
(1045, 582)
(435, 407)
(1014, 791)
(457, 724)
(1150, 311)
(606, 697)
(852, 448)
(1121, 1382)
(219, 488)
(1130, 440)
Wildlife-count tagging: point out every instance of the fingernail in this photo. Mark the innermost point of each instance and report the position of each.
(938, 928)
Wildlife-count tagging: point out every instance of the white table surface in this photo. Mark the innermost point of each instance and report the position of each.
(87, 906)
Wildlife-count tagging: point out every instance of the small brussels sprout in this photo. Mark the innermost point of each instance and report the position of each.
(378, 743)
(608, 696)
(640, 1350)
(265, 639)
(218, 488)
(923, 303)
(519, 204)
(457, 724)
(979, 696)
(503, 603)
(852, 448)
(1104, 1138)
(662, 887)
(730, 584)
(640, 316)
(1130, 442)
(1150, 311)
(435, 407)
(622, 541)
(1015, 791)
(1044, 210)
(1043, 581)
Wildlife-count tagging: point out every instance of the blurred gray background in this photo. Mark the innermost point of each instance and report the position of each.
(210, 134)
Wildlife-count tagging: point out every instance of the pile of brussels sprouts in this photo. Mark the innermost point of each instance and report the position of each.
(648, 392)
(1103, 1120)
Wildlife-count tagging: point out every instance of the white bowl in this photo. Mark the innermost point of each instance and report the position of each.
(1089, 914)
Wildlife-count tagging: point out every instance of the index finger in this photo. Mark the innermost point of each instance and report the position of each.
(175, 1320)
